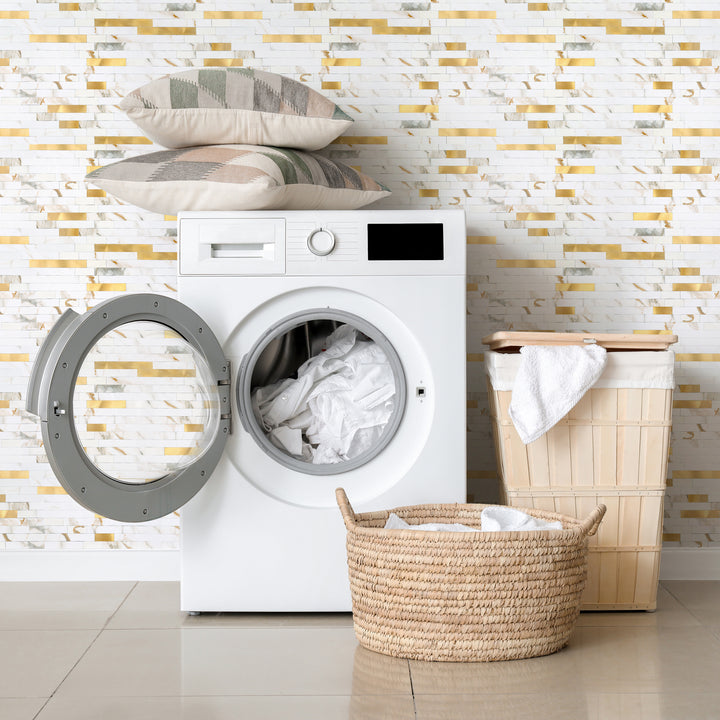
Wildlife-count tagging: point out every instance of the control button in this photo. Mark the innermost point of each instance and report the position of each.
(321, 242)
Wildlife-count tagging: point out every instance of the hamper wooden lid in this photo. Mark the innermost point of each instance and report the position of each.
(611, 341)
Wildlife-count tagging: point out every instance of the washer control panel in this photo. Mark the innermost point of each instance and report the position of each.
(321, 242)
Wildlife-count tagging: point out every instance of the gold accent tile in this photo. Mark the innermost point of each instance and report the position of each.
(475, 357)
(565, 310)
(455, 153)
(4, 287)
(14, 357)
(122, 22)
(696, 132)
(592, 140)
(575, 287)
(689, 45)
(8, 513)
(193, 427)
(481, 240)
(692, 404)
(429, 84)
(122, 140)
(165, 30)
(700, 498)
(661, 192)
(4, 169)
(691, 62)
(455, 46)
(292, 38)
(525, 146)
(14, 475)
(428, 192)
(564, 85)
(537, 232)
(697, 357)
(689, 271)
(662, 85)
(535, 216)
(4, 403)
(69, 7)
(95, 192)
(575, 169)
(68, 124)
(58, 263)
(457, 169)
(14, 239)
(467, 14)
(662, 310)
(418, 108)
(686, 154)
(232, 15)
(652, 108)
(178, 451)
(58, 38)
(575, 62)
(564, 192)
(220, 47)
(340, 62)
(106, 62)
(652, 216)
(689, 388)
(51, 490)
(106, 404)
(525, 263)
(142, 250)
(695, 474)
(170, 217)
(104, 537)
(14, 15)
(401, 30)
(670, 537)
(357, 22)
(535, 108)
(96, 85)
(58, 146)
(467, 132)
(692, 169)
(96, 427)
(457, 62)
(696, 14)
(303, 7)
(537, 7)
(331, 85)
(106, 287)
(60, 216)
(700, 513)
(69, 232)
(471, 287)
(537, 124)
(67, 108)
(692, 287)
(525, 38)
(14, 132)
(222, 62)
(696, 239)
(361, 140)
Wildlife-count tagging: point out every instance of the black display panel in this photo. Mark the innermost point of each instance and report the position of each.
(405, 241)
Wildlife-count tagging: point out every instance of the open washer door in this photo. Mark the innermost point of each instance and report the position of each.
(134, 402)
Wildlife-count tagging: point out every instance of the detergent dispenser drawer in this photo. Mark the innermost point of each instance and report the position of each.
(232, 246)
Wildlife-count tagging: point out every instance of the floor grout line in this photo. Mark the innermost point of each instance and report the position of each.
(85, 652)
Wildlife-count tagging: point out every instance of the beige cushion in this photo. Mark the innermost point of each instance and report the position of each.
(236, 177)
(208, 106)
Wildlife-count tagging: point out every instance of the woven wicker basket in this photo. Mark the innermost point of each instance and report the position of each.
(464, 596)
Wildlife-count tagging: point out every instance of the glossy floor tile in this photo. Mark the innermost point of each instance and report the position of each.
(141, 657)
(34, 662)
(234, 661)
(156, 605)
(293, 707)
(60, 605)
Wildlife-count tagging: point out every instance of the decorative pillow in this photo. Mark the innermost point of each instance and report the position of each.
(236, 177)
(234, 105)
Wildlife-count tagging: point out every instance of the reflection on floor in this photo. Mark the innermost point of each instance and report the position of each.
(123, 650)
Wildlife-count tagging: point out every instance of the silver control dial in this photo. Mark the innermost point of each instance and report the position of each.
(321, 242)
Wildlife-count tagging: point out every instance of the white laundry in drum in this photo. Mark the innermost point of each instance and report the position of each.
(337, 407)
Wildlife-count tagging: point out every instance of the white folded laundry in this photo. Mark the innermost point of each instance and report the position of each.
(551, 380)
(397, 523)
(499, 518)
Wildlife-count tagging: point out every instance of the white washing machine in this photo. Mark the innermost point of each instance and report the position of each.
(149, 404)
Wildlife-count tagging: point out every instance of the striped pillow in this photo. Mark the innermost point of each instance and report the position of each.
(234, 105)
(236, 177)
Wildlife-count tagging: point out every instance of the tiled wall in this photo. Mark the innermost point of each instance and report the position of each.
(582, 139)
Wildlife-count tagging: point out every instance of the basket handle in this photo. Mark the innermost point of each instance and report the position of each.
(592, 521)
(345, 508)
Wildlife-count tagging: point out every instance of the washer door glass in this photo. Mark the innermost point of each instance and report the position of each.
(134, 402)
(323, 392)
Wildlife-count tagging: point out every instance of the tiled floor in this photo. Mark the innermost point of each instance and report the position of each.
(82, 651)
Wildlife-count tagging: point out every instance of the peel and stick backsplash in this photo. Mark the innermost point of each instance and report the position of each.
(581, 138)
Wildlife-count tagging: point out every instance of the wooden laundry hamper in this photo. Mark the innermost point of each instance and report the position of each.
(611, 448)
(464, 596)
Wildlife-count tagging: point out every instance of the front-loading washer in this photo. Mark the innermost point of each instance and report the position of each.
(148, 403)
